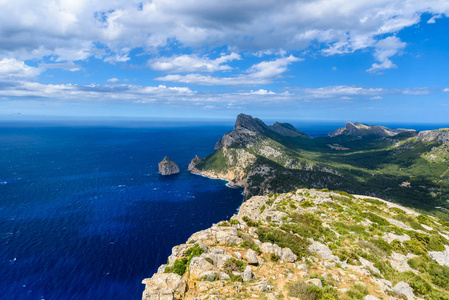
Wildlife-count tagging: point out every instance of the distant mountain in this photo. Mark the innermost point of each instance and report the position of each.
(360, 130)
(396, 164)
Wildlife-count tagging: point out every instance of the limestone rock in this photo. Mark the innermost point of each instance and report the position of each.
(439, 135)
(193, 163)
(168, 167)
(403, 288)
(247, 275)
(369, 265)
(441, 257)
(315, 281)
(251, 257)
(163, 286)
(323, 251)
(288, 255)
(198, 267)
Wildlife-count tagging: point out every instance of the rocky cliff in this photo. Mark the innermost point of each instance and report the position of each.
(168, 167)
(311, 244)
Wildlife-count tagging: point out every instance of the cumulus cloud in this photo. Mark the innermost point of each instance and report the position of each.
(192, 63)
(11, 68)
(446, 90)
(76, 30)
(113, 80)
(385, 49)
(261, 73)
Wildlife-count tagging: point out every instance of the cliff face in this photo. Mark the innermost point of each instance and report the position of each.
(168, 167)
(360, 130)
(311, 244)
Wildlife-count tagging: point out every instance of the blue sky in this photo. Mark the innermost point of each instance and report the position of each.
(368, 60)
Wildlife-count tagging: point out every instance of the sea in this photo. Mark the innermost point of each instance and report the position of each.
(84, 213)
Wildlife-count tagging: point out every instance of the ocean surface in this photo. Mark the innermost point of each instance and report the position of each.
(84, 213)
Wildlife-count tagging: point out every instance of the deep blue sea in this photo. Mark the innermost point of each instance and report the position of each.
(84, 213)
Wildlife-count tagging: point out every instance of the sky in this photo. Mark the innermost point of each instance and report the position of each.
(370, 61)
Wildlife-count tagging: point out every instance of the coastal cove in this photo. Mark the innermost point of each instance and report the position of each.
(84, 213)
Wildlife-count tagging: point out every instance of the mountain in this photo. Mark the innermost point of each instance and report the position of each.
(361, 130)
(399, 165)
(311, 244)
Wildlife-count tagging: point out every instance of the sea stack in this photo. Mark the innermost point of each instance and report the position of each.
(168, 167)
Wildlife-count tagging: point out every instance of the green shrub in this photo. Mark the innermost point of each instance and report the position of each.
(179, 267)
(274, 257)
(234, 222)
(250, 222)
(233, 265)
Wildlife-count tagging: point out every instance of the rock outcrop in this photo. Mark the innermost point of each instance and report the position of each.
(310, 244)
(440, 135)
(361, 130)
(168, 167)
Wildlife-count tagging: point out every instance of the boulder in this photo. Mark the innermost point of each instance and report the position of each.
(403, 288)
(315, 281)
(288, 255)
(247, 275)
(163, 286)
(199, 266)
(251, 257)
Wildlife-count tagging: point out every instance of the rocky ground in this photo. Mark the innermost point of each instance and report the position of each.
(311, 244)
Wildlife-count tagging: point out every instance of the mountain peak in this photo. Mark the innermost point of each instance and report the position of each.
(250, 123)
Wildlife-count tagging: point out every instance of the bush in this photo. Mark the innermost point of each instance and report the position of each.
(180, 265)
(233, 265)
(250, 222)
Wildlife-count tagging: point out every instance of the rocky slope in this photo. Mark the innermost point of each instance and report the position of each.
(168, 167)
(311, 244)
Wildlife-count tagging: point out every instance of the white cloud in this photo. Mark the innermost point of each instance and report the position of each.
(261, 73)
(123, 92)
(433, 19)
(340, 91)
(113, 80)
(446, 90)
(192, 63)
(262, 92)
(76, 30)
(417, 91)
(69, 66)
(13, 69)
(385, 49)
